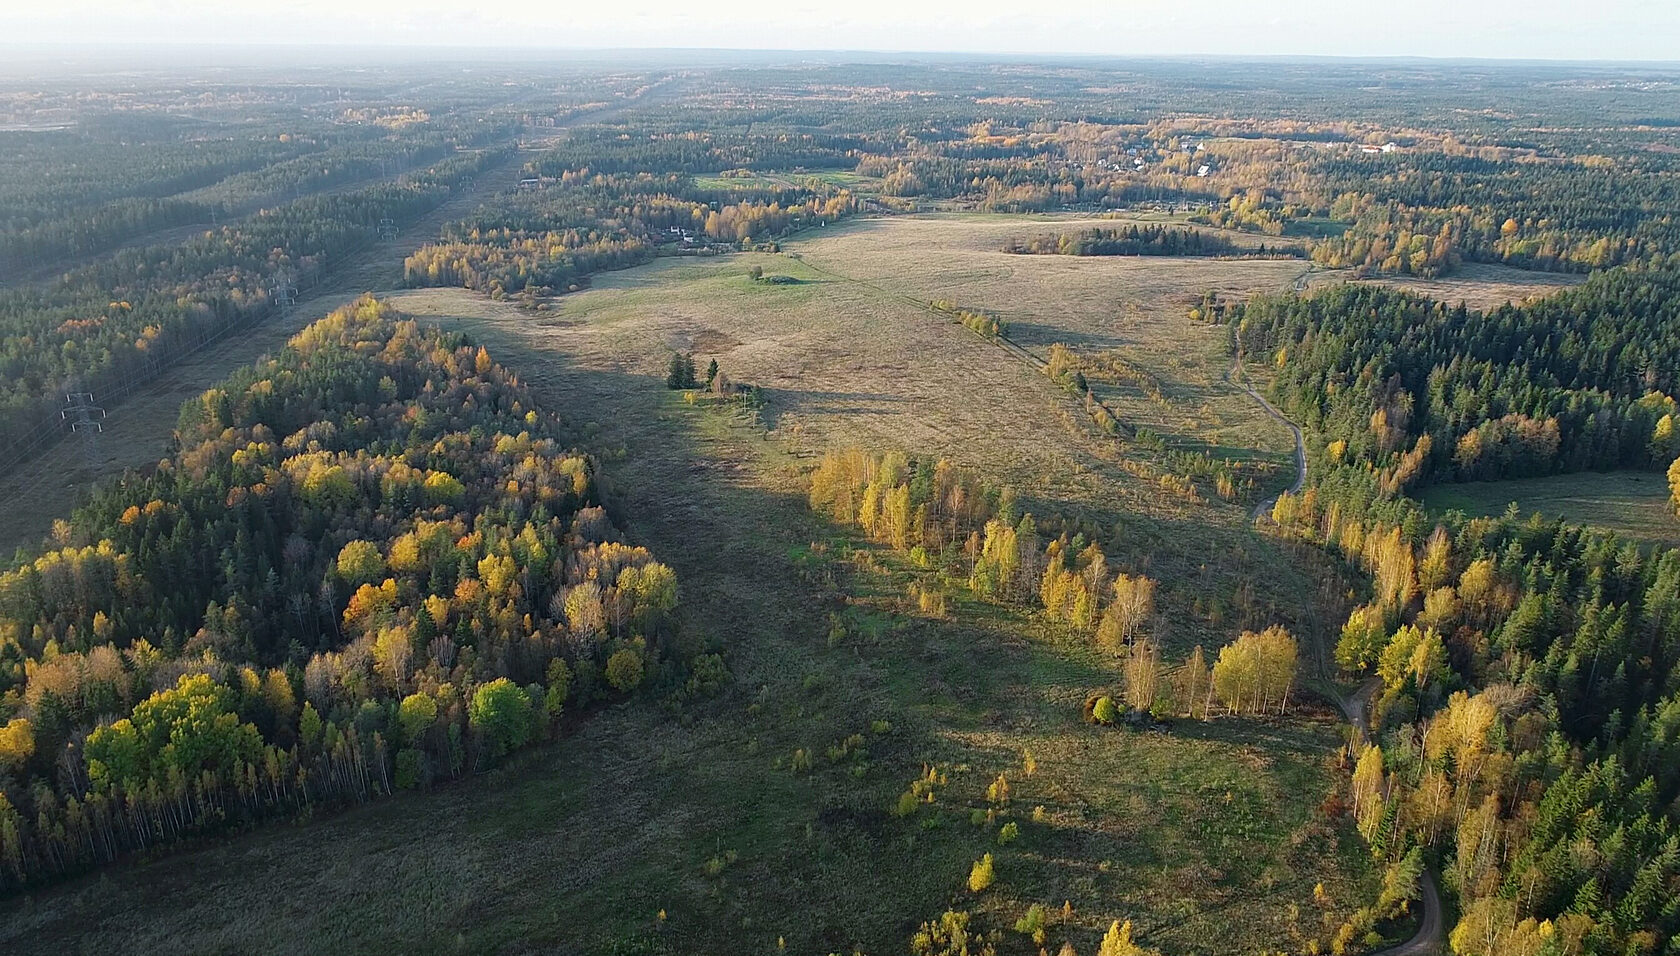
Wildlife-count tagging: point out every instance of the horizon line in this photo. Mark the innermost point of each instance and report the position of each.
(136, 45)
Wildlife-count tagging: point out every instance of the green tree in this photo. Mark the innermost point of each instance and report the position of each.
(624, 670)
(187, 729)
(409, 764)
(1033, 923)
(415, 715)
(501, 713)
(559, 686)
(680, 373)
(1362, 639)
(1105, 712)
(309, 726)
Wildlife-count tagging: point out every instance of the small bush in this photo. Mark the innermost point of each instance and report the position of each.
(981, 875)
(1105, 712)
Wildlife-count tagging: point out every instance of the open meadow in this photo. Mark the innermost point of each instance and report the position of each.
(1635, 505)
(848, 355)
(1478, 285)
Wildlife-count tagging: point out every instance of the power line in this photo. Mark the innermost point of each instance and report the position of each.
(87, 419)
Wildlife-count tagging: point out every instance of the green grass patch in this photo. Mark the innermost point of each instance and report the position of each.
(1633, 504)
(1315, 227)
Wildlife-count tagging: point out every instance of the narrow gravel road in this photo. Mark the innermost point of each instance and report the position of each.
(1430, 935)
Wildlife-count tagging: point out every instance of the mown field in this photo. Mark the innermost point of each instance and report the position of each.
(1633, 504)
(1478, 285)
(657, 831)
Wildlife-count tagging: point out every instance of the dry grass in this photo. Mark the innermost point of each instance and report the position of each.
(1477, 285)
(849, 356)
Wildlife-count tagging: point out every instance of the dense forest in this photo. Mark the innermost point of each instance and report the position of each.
(1528, 715)
(1527, 702)
(371, 565)
(1408, 390)
(1149, 240)
(1422, 213)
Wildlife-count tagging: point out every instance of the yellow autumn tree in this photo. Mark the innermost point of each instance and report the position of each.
(1674, 485)
(1124, 620)
(1255, 673)
(1118, 942)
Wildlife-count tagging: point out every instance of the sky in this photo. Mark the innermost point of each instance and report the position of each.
(1507, 29)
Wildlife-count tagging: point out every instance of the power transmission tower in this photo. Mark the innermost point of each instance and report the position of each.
(87, 420)
(283, 293)
(387, 228)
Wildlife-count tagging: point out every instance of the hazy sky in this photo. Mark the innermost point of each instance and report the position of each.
(1551, 29)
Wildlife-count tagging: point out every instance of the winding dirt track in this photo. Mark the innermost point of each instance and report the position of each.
(1236, 377)
(1427, 941)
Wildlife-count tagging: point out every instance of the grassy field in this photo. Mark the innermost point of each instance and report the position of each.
(835, 177)
(1634, 504)
(1131, 307)
(1480, 286)
(849, 356)
(1207, 836)
(734, 182)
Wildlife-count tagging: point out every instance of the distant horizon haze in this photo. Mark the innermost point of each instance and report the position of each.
(1612, 30)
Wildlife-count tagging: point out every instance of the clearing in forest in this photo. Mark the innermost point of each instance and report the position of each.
(847, 354)
(1478, 285)
(1634, 504)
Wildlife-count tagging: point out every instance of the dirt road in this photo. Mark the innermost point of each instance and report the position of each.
(1236, 377)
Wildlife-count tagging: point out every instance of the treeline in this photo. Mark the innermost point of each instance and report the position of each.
(1527, 721)
(1421, 212)
(1408, 390)
(945, 520)
(1148, 240)
(120, 319)
(371, 565)
(545, 240)
(981, 323)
